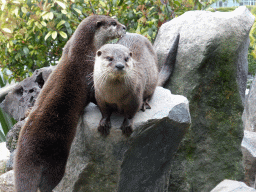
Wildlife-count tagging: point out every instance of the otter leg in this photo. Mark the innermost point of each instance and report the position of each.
(27, 177)
(127, 126)
(51, 176)
(145, 105)
(105, 124)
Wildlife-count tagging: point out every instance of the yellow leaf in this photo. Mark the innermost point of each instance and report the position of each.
(48, 35)
(103, 4)
(43, 23)
(7, 30)
(24, 10)
(63, 34)
(54, 34)
(60, 23)
(61, 4)
(50, 15)
(2, 7)
(64, 12)
(78, 11)
(16, 11)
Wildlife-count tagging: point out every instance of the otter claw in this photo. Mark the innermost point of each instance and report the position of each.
(127, 131)
(104, 127)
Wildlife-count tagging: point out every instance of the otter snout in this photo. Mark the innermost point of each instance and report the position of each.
(119, 66)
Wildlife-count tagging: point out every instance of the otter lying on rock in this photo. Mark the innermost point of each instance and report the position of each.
(125, 78)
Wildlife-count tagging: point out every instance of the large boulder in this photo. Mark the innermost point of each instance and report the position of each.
(232, 186)
(249, 115)
(140, 162)
(211, 71)
(249, 157)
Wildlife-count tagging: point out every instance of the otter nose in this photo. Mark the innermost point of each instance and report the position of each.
(124, 28)
(119, 66)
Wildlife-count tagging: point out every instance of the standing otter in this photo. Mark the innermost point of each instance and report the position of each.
(125, 78)
(45, 140)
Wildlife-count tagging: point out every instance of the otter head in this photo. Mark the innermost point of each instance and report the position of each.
(107, 29)
(113, 62)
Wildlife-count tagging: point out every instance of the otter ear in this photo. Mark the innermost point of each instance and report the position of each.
(98, 53)
(131, 54)
(98, 23)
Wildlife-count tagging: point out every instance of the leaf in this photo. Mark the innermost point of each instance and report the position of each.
(60, 23)
(7, 30)
(54, 34)
(48, 35)
(26, 50)
(50, 15)
(103, 4)
(24, 10)
(6, 122)
(61, 4)
(64, 12)
(17, 56)
(43, 23)
(63, 34)
(16, 11)
(121, 2)
(78, 11)
(2, 7)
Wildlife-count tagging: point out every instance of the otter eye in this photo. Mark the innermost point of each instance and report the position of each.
(113, 23)
(109, 58)
(126, 59)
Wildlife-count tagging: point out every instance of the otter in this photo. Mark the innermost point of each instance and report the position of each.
(125, 78)
(45, 139)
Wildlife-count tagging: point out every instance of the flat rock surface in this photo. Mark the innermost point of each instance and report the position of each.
(232, 186)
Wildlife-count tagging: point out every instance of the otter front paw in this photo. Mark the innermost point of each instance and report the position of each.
(127, 127)
(104, 127)
(127, 130)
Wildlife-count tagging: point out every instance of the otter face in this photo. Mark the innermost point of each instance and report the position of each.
(107, 29)
(113, 62)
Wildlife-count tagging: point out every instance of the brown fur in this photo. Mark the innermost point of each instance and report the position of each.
(125, 78)
(45, 140)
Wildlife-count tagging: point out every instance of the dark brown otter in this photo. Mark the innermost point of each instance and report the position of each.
(125, 78)
(45, 140)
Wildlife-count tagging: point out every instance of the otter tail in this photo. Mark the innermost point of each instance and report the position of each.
(169, 63)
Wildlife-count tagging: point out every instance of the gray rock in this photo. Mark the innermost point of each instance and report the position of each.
(140, 162)
(249, 157)
(23, 96)
(232, 186)
(5, 90)
(13, 135)
(7, 182)
(9, 163)
(4, 156)
(211, 71)
(11, 142)
(249, 114)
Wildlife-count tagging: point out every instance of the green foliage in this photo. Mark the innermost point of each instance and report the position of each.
(252, 48)
(33, 32)
(223, 9)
